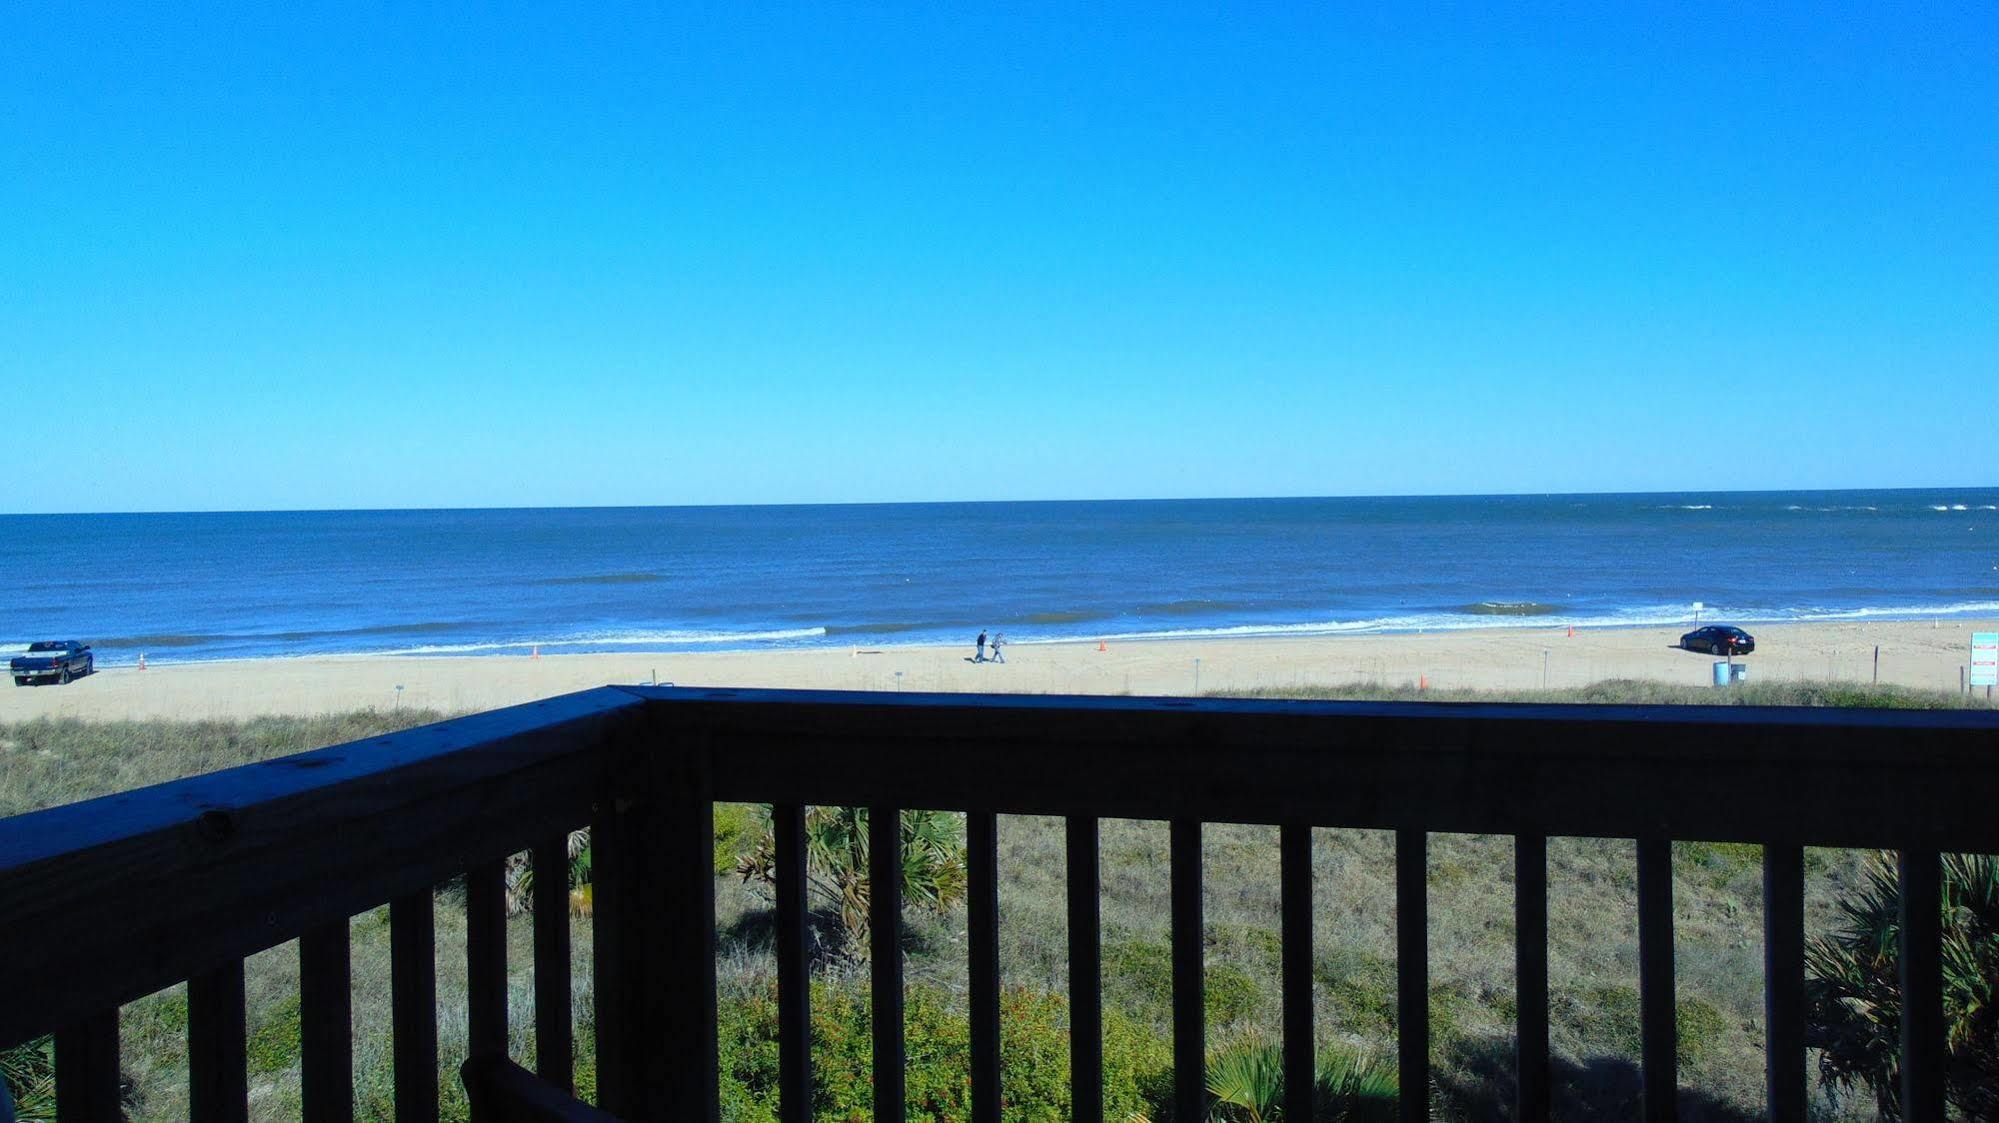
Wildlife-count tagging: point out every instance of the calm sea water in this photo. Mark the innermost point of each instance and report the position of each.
(207, 586)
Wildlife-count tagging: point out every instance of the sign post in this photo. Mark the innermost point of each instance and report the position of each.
(1985, 660)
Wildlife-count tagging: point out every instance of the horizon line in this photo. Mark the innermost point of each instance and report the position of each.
(783, 504)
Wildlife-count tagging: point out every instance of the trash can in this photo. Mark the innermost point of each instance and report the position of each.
(1721, 673)
(1738, 673)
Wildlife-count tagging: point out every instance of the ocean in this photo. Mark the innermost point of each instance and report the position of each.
(181, 587)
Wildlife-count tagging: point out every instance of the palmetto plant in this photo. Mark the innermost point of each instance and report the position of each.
(1853, 989)
(836, 861)
(520, 876)
(1247, 1080)
(29, 1070)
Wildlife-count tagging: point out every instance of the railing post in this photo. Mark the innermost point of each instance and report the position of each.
(685, 1083)
(658, 967)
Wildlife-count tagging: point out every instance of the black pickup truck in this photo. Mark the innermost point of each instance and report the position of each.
(61, 660)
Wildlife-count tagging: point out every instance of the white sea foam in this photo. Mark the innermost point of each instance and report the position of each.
(1668, 615)
(669, 638)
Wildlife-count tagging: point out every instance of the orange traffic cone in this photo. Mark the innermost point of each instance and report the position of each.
(1572, 631)
(1422, 682)
(537, 652)
(1101, 646)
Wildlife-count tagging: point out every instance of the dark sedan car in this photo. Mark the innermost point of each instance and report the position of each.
(1719, 639)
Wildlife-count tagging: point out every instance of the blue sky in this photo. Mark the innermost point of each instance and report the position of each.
(284, 256)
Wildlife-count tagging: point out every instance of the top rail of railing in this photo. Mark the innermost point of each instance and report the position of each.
(1810, 776)
(112, 898)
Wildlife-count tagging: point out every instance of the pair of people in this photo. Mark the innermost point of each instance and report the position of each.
(980, 655)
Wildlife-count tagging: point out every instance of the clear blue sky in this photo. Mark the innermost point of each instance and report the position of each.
(283, 256)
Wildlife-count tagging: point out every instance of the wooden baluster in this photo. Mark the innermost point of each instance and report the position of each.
(413, 1006)
(1086, 974)
(554, 1049)
(486, 958)
(794, 978)
(1923, 1053)
(1784, 982)
(326, 1024)
(87, 1082)
(982, 862)
(885, 946)
(1658, 1019)
(1190, 1025)
(608, 956)
(217, 1041)
(1295, 888)
(1412, 972)
(1530, 973)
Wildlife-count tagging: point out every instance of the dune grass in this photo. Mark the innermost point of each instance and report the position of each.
(1593, 939)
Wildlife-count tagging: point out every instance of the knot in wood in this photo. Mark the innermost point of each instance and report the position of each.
(216, 826)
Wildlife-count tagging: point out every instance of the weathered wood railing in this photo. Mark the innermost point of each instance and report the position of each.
(112, 899)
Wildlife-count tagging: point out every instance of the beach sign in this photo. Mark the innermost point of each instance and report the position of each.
(1985, 659)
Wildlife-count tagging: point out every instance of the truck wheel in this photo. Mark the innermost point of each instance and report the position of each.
(20, 680)
(63, 678)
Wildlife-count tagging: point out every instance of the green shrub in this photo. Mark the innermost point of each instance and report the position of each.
(1613, 1015)
(274, 1045)
(737, 827)
(1230, 995)
(1034, 1056)
(1138, 974)
(1700, 1026)
(1360, 988)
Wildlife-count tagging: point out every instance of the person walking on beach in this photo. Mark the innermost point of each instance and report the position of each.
(997, 657)
(980, 657)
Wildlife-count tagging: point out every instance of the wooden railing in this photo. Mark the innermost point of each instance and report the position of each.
(106, 901)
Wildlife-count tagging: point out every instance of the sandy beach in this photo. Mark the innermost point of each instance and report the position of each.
(1921, 654)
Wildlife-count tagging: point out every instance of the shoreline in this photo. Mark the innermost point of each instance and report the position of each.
(1922, 654)
(1979, 615)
